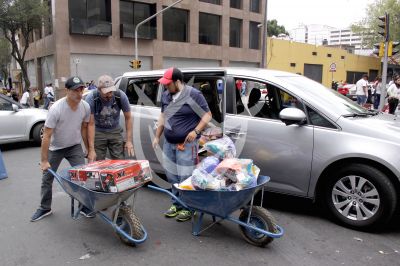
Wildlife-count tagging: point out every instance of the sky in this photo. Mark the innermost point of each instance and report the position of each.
(335, 13)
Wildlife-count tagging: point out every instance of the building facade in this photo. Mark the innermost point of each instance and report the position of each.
(93, 37)
(345, 37)
(312, 34)
(314, 61)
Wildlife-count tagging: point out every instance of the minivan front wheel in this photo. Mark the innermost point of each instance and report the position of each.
(360, 196)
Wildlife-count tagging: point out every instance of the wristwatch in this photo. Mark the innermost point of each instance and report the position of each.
(198, 132)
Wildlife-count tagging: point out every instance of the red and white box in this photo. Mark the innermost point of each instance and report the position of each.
(112, 175)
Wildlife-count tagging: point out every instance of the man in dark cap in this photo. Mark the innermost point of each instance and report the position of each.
(184, 114)
(64, 129)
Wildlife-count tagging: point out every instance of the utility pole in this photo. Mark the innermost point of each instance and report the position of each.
(385, 33)
(146, 20)
(264, 39)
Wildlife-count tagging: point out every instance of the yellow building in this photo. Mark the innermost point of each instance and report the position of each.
(315, 61)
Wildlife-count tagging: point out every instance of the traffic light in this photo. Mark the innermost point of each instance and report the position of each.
(135, 64)
(391, 46)
(384, 26)
(379, 49)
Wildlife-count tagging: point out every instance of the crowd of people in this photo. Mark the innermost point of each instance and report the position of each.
(34, 97)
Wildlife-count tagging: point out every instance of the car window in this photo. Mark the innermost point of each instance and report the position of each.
(142, 91)
(318, 120)
(5, 105)
(258, 99)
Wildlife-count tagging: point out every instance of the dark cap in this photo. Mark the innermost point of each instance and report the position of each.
(171, 74)
(73, 83)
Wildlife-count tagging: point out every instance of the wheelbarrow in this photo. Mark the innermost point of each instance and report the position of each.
(123, 220)
(257, 225)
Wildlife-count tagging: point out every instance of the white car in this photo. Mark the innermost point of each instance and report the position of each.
(19, 123)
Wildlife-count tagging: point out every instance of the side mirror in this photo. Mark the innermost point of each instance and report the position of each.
(15, 107)
(292, 115)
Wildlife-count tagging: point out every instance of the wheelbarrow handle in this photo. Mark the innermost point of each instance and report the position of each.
(172, 195)
(56, 176)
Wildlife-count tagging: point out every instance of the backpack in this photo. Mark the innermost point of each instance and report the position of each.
(97, 100)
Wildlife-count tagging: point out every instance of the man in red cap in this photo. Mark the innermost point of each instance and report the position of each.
(184, 114)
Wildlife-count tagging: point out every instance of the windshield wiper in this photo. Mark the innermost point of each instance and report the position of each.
(357, 115)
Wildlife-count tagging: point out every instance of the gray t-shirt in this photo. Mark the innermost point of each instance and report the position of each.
(66, 123)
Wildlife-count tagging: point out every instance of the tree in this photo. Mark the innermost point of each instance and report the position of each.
(5, 59)
(18, 20)
(368, 26)
(274, 29)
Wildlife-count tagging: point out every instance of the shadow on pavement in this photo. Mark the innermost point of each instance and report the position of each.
(17, 146)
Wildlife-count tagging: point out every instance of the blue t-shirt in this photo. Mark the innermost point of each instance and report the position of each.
(183, 115)
(107, 113)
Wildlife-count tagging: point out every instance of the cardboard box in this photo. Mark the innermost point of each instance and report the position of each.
(112, 175)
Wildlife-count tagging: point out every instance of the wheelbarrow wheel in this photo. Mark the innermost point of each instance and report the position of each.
(129, 223)
(260, 218)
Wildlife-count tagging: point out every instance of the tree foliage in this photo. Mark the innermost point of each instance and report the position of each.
(18, 20)
(368, 26)
(5, 58)
(274, 29)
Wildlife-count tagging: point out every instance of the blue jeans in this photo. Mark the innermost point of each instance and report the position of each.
(377, 100)
(179, 165)
(47, 101)
(361, 99)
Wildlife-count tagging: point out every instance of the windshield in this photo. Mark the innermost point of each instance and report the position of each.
(330, 98)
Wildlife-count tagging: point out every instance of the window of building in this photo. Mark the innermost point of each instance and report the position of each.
(329, 55)
(235, 32)
(216, 2)
(254, 35)
(48, 24)
(236, 4)
(91, 17)
(314, 53)
(131, 14)
(255, 6)
(209, 29)
(292, 64)
(176, 25)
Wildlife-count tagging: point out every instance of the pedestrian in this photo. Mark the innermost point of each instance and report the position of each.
(184, 114)
(92, 86)
(36, 97)
(362, 90)
(378, 91)
(14, 95)
(105, 132)
(49, 95)
(394, 95)
(64, 129)
(25, 99)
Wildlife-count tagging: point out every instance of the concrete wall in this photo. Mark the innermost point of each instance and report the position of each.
(281, 53)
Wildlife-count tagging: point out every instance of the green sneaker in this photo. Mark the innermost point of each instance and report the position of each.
(184, 215)
(172, 211)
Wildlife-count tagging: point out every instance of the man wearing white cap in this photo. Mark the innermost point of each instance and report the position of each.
(104, 130)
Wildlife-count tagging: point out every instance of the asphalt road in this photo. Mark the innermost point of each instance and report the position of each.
(310, 238)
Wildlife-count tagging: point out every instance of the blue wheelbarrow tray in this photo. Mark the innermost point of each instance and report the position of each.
(94, 200)
(220, 203)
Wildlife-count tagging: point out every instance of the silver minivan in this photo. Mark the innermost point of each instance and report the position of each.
(312, 141)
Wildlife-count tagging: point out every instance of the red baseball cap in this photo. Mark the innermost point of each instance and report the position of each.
(171, 74)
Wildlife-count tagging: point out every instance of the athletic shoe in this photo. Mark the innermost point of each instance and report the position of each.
(40, 214)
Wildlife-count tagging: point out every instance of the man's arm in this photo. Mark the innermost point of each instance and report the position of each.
(128, 140)
(84, 133)
(90, 139)
(159, 131)
(205, 119)
(44, 148)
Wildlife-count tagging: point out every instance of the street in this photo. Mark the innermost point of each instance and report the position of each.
(310, 238)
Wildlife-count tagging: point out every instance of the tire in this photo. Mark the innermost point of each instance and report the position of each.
(37, 133)
(367, 203)
(261, 218)
(130, 224)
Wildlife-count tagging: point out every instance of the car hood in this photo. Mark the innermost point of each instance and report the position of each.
(382, 126)
(35, 112)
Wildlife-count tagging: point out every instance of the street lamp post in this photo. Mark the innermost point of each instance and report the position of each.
(144, 21)
(264, 38)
